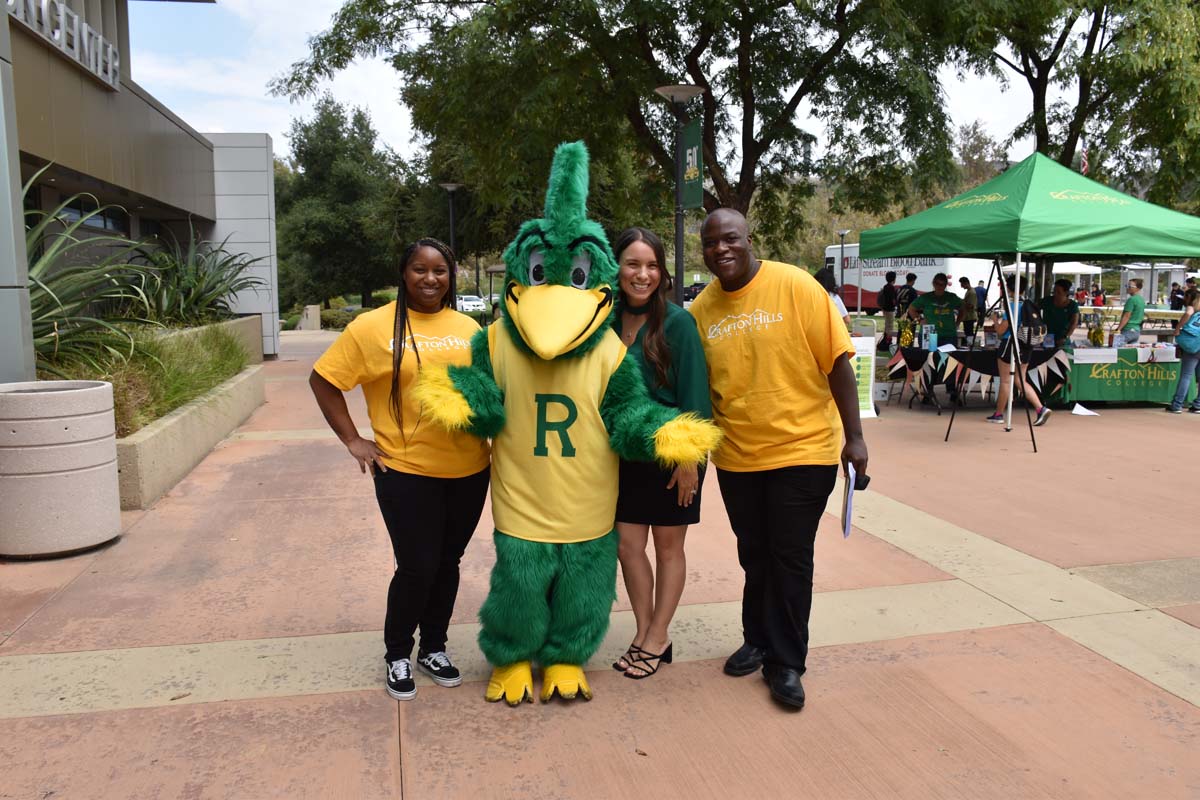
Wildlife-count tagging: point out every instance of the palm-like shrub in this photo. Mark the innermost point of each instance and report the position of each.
(192, 282)
(80, 307)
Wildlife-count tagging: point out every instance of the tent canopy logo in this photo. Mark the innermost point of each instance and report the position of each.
(977, 200)
(1076, 196)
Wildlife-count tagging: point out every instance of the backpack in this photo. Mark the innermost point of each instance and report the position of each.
(1188, 339)
(887, 298)
(904, 298)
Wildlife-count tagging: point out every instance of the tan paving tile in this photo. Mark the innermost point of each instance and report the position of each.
(1158, 647)
(1014, 712)
(342, 746)
(1154, 583)
(99, 680)
(1043, 595)
(1189, 613)
(290, 405)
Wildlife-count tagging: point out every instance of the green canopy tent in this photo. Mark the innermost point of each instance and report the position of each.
(1043, 210)
(1040, 209)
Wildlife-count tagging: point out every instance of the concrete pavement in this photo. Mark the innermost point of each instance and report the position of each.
(999, 624)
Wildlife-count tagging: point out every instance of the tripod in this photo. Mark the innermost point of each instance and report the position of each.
(1015, 360)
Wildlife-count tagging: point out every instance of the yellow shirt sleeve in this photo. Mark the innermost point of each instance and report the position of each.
(826, 333)
(343, 364)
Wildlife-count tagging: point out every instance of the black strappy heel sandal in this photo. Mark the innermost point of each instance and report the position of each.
(643, 663)
(630, 658)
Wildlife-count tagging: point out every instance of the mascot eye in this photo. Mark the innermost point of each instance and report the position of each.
(581, 266)
(537, 272)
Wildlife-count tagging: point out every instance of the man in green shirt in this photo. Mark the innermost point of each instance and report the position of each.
(940, 309)
(1060, 313)
(1132, 316)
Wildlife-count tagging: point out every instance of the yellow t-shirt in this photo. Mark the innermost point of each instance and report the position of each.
(770, 347)
(555, 474)
(362, 356)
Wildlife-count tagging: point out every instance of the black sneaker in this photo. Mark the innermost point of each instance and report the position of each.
(1042, 415)
(400, 683)
(437, 666)
(1171, 410)
(1194, 410)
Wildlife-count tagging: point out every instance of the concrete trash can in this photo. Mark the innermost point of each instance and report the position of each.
(58, 467)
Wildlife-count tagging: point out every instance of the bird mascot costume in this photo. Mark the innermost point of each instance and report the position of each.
(552, 386)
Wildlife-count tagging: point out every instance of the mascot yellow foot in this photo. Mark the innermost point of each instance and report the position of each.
(566, 679)
(513, 684)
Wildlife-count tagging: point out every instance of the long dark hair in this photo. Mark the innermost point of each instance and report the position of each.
(825, 277)
(402, 328)
(654, 340)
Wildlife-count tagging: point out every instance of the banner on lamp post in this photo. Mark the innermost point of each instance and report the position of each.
(693, 166)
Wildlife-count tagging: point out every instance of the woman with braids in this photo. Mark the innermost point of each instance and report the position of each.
(430, 483)
(663, 339)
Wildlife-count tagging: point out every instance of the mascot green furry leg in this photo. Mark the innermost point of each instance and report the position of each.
(524, 622)
(562, 401)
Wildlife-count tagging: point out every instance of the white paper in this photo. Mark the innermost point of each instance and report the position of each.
(947, 348)
(1080, 411)
(848, 500)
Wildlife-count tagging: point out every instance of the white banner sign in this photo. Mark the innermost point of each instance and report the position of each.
(864, 372)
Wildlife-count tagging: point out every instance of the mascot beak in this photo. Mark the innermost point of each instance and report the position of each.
(555, 319)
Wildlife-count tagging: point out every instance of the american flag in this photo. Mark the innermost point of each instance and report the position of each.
(1083, 159)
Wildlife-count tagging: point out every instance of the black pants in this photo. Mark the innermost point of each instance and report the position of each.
(968, 327)
(774, 514)
(430, 521)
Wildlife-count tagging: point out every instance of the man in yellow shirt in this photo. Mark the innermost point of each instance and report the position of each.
(785, 397)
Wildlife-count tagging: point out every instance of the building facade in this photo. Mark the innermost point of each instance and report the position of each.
(72, 109)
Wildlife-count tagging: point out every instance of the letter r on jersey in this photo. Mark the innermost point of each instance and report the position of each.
(544, 425)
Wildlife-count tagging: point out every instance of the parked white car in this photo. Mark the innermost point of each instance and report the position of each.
(469, 303)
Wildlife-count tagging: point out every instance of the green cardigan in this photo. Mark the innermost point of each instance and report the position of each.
(687, 376)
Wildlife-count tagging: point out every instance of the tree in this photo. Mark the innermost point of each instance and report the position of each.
(980, 157)
(338, 204)
(504, 82)
(1130, 72)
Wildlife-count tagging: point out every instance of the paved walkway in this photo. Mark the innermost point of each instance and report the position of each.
(1000, 624)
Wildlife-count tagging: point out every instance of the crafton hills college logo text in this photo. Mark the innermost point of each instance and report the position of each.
(424, 342)
(738, 324)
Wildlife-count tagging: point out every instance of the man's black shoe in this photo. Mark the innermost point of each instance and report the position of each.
(785, 685)
(746, 660)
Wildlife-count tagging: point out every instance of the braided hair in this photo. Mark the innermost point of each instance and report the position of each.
(402, 328)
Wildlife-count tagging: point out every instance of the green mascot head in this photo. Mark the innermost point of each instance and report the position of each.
(558, 294)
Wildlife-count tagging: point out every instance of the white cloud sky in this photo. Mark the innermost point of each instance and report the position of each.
(211, 64)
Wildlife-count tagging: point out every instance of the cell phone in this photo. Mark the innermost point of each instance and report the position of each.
(860, 481)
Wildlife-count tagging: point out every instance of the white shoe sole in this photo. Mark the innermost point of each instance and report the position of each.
(449, 683)
(400, 695)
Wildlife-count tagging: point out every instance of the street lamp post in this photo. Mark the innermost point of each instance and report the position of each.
(451, 188)
(842, 265)
(678, 95)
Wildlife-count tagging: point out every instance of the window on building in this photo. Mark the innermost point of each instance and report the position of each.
(148, 228)
(110, 219)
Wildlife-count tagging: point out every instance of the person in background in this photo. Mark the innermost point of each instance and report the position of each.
(664, 341)
(1060, 314)
(1176, 297)
(907, 293)
(1190, 283)
(824, 277)
(1081, 295)
(970, 307)
(981, 298)
(1099, 300)
(886, 299)
(430, 483)
(1187, 343)
(939, 308)
(784, 394)
(1133, 314)
(1009, 339)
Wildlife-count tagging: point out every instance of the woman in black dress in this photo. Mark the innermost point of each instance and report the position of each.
(664, 340)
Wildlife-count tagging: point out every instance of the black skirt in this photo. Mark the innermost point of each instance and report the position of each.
(644, 498)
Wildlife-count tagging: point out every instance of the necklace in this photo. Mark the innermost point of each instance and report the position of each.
(629, 332)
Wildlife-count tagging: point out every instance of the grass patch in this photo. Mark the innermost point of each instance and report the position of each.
(166, 372)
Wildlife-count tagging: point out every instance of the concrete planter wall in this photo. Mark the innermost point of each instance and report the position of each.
(155, 458)
(58, 467)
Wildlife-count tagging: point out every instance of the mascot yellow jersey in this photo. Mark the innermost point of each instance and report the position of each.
(553, 436)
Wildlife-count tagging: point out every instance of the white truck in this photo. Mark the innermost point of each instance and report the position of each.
(874, 269)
